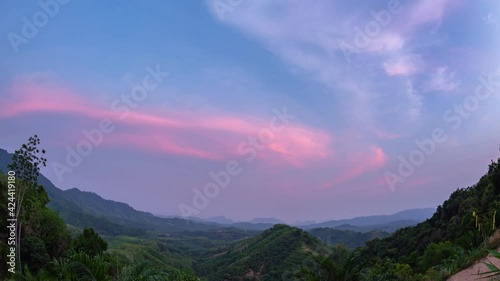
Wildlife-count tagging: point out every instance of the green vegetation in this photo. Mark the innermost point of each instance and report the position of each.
(45, 248)
(107, 240)
(264, 257)
(493, 269)
(452, 239)
(90, 243)
(351, 239)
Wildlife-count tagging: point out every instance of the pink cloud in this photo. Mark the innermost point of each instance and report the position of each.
(359, 163)
(157, 142)
(442, 80)
(385, 135)
(298, 143)
(387, 42)
(403, 66)
(428, 11)
(25, 98)
(214, 136)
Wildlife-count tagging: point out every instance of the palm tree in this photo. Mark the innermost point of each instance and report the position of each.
(142, 271)
(82, 267)
(335, 267)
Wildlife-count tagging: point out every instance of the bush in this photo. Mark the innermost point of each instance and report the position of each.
(90, 242)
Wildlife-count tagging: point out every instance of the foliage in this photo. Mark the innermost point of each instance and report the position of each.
(388, 270)
(351, 239)
(90, 242)
(453, 226)
(41, 233)
(335, 267)
(174, 249)
(27, 160)
(81, 266)
(265, 256)
(493, 269)
(26, 163)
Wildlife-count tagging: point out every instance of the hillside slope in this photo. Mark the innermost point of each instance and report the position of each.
(411, 216)
(264, 257)
(83, 209)
(470, 273)
(464, 220)
(350, 239)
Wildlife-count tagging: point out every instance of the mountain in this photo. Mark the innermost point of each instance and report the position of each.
(254, 224)
(220, 220)
(463, 221)
(389, 227)
(304, 223)
(409, 217)
(266, 256)
(350, 239)
(83, 209)
(266, 221)
(210, 220)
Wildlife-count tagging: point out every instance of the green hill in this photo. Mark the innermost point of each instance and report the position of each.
(350, 239)
(460, 226)
(264, 257)
(379, 222)
(455, 236)
(87, 209)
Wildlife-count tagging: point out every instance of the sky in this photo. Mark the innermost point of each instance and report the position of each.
(298, 110)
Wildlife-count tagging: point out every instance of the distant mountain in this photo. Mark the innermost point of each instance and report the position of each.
(389, 227)
(83, 209)
(463, 221)
(303, 223)
(263, 257)
(252, 226)
(385, 223)
(216, 219)
(266, 221)
(404, 218)
(257, 224)
(219, 220)
(350, 239)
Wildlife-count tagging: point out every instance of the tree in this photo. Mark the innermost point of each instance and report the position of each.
(335, 267)
(26, 164)
(142, 271)
(90, 242)
(81, 266)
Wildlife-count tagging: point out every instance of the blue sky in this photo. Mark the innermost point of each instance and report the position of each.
(362, 84)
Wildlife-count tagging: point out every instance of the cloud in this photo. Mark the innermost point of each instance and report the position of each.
(442, 80)
(403, 65)
(207, 135)
(415, 101)
(387, 42)
(427, 11)
(312, 38)
(358, 163)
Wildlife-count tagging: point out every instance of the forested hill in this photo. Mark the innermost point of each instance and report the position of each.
(405, 218)
(464, 221)
(84, 209)
(350, 239)
(267, 256)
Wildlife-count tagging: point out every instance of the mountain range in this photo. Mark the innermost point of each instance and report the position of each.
(83, 208)
(262, 250)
